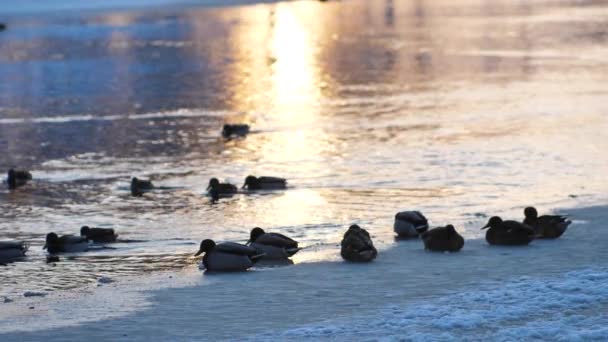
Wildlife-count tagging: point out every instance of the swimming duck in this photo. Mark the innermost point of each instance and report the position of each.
(17, 178)
(238, 130)
(508, 232)
(139, 186)
(410, 224)
(216, 189)
(98, 234)
(65, 243)
(228, 256)
(546, 226)
(357, 245)
(264, 183)
(443, 239)
(274, 245)
(12, 250)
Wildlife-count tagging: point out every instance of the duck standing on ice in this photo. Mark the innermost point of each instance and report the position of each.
(410, 224)
(228, 256)
(274, 245)
(357, 245)
(546, 226)
(443, 239)
(508, 232)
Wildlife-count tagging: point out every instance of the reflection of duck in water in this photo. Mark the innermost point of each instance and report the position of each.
(410, 224)
(274, 245)
(546, 226)
(443, 239)
(237, 130)
(508, 232)
(139, 186)
(98, 234)
(10, 250)
(264, 183)
(65, 243)
(357, 245)
(228, 256)
(17, 178)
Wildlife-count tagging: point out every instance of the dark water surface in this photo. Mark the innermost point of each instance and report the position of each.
(458, 108)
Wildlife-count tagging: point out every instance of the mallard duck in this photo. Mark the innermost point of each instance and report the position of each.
(443, 239)
(238, 130)
(98, 234)
(508, 232)
(228, 256)
(17, 178)
(274, 245)
(216, 189)
(410, 224)
(264, 183)
(357, 245)
(65, 243)
(546, 226)
(139, 186)
(10, 250)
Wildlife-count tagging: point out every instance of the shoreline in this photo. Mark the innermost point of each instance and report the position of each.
(402, 274)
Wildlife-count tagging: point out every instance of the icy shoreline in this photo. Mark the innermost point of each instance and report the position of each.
(318, 300)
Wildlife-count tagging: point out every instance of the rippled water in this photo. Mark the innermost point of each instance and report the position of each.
(460, 109)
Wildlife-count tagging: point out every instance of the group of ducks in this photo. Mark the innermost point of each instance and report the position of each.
(356, 244)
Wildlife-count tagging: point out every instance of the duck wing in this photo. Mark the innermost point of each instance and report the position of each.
(276, 239)
(236, 248)
(517, 226)
(12, 245)
(414, 217)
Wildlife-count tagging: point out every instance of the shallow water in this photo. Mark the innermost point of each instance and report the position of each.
(459, 109)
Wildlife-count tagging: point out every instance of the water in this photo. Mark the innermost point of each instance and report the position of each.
(459, 109)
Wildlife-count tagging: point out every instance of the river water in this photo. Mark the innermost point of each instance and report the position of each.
(460, 109)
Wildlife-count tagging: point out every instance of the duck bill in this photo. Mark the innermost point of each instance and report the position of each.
(484, 227)
(198, 253)
(44, 247)
(244, 186)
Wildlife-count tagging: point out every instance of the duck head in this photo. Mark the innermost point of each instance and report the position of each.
(450, 229)
(84, 230)
(255, 234)
(206, 246)
(227, 130)
(531, 213)
(494, 221)
(213, 183)
(51, 240)
(251, 182)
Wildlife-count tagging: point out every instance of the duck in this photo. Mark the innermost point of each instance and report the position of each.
(264, 183)
(238, 130)
(508, 232)
(216, 189)
(2, 27)
(357, 245)
(443, 239)
(410, 224)
(65, 243)
(98, 234)
(139, 186)
(546, 226)
(17, 178)
(10, 250)
(228, 256)
(274, 245)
